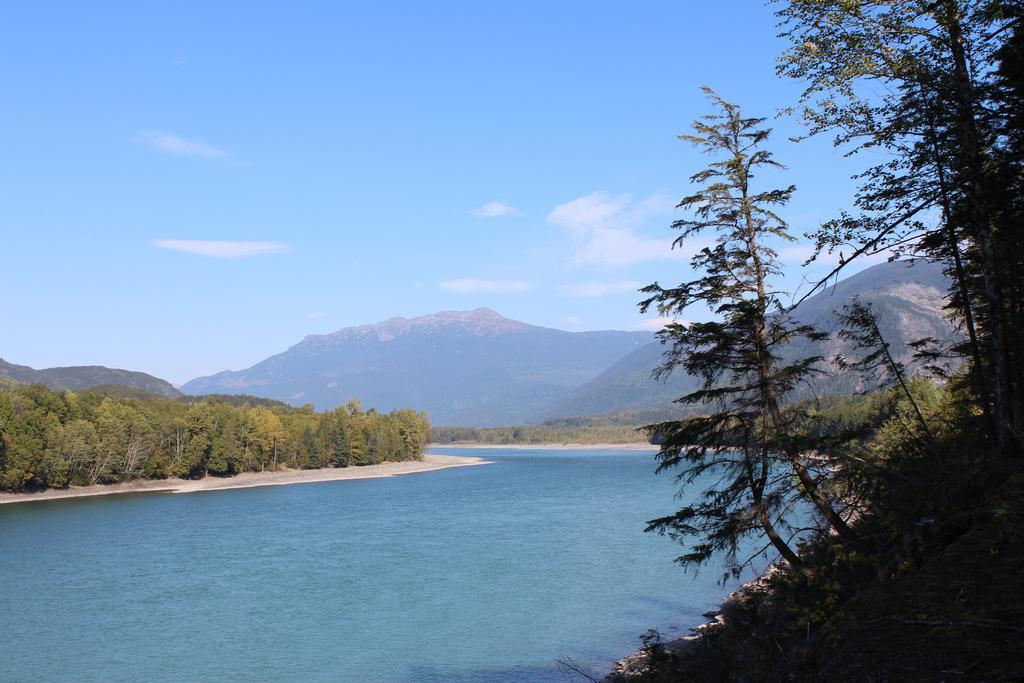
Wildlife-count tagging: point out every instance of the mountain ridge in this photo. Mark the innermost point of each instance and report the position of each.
(462, 367)
(478, 321)
(907, 297)
(478, 368)
(82, 377)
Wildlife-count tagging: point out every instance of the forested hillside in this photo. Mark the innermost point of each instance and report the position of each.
(76, 378)
(908, 296)
(56, 439)
(474, 368)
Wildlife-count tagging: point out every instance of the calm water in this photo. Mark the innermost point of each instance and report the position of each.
(487, 573)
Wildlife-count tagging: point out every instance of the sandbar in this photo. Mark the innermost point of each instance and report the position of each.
(245, 480)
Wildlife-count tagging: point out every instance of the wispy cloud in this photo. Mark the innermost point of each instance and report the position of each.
(473, 285)
(496, 209)
(598, 289)
(172, 144)
(655, 324)
(572, 321)
(606, 229)
(585, 214)
(317, 315)
(796, 255)
(222, 249)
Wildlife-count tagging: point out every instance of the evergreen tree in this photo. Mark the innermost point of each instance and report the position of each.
(745, 442)
(947, 116)
(860, 327)
(309, 455)
(341, 446)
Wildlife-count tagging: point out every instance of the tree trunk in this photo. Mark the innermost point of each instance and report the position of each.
(757, 493)
(768, 393)
(971, 157)
(966, 306)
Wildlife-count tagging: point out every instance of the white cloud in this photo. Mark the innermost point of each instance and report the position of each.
(605, 228)
(473, 285)
(317, 315)
(495, 209)
(172, 144)
(590, 212)
(617, 248)
(655, 324)
(222, 249)
(572, 321)
(597, 289)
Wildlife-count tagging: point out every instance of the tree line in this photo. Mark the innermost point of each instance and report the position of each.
(56, 439)
(625, 427)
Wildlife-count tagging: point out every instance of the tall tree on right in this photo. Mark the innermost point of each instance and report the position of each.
(743, 450)
(936, 85)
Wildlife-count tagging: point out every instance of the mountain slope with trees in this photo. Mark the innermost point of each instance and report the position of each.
(477, 368)
(77, 378)
(908, 295)
(473, 368)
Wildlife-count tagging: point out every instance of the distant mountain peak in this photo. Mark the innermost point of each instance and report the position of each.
(472, 367)
(480, 368)
(481, 313)
(480, 322)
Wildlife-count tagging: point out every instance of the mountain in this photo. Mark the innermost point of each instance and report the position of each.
(625, 386)
(473, 368)
(907, 298)
(477, 368)
(77, 378)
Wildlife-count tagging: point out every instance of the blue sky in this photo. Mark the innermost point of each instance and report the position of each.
(186, 188)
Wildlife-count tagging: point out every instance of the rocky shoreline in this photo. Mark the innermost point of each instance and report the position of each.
(641, 664)
(552, 446)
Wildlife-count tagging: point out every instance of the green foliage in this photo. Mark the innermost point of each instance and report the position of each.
(927, 586)
(236, 400)
(56, 439)
(530, 434)
(743, 441)
(931, 584)
(615, 428)
(950, 182)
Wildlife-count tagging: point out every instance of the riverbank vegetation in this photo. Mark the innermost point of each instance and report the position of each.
(52, 439)
(615, 428)
(909, 566)
(820, 417)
